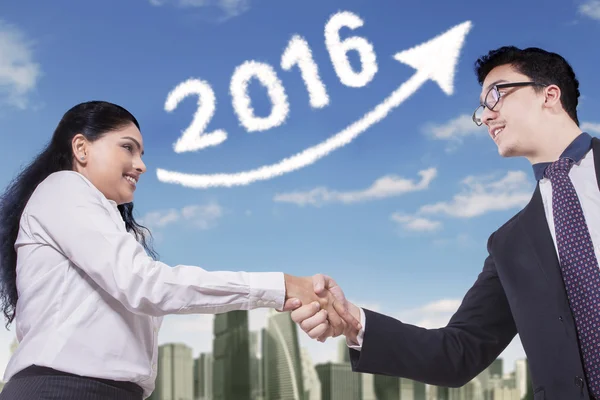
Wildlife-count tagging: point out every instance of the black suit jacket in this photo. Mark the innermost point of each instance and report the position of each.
(520, 290)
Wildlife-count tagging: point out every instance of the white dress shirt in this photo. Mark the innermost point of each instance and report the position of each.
(91, 301)
(583, 176)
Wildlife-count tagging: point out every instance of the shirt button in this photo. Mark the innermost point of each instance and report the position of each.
(154, 367)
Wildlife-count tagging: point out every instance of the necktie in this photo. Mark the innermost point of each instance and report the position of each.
(579, 267)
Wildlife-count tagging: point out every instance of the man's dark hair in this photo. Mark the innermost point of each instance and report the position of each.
(540, 66)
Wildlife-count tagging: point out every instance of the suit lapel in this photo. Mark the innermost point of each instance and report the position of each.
(533, 222)
(596, 150)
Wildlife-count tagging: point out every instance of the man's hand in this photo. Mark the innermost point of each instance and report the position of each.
(351, 317)
(315, 322)
(303, 289)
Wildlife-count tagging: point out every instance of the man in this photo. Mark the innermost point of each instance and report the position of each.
(528, 103)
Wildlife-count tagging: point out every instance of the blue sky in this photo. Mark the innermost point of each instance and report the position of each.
(397, 241)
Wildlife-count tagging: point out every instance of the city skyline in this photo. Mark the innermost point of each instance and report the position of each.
(284, 370)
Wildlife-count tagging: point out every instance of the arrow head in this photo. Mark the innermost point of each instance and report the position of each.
(438, 57)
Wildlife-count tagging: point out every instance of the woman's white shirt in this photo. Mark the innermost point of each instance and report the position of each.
(91, 301)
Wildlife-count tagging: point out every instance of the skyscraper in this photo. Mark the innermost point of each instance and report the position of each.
(497, 367)
(521, 376)
(231, 352)
(203, 377)
(343, 351)
(339, 382)
(174, 380)
(282, 360)
(257, 389)
(367, 380)
(394, 388)
(312, 384)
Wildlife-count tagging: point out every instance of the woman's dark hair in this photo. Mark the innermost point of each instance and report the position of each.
(540, 66)
(93, 120)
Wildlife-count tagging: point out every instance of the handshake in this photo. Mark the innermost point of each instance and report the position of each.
(319, 307)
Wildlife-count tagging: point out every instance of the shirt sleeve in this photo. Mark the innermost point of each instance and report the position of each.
(361, 333)
(68, 213)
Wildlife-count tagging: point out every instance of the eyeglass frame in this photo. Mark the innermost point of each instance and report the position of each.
(497, 88)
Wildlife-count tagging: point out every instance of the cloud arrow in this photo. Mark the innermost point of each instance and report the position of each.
(435, 59)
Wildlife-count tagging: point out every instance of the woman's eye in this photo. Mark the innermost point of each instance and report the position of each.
(128, 147)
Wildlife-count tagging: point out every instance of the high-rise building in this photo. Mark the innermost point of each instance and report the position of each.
(282, 360)
(257, 390)
(367, 386)
(497, 367)
(393, 388)
(470, 391)
(367, 380)
(438, 393)
(504, 393)
(312, 384)
(174, 380)
(203, 377)
(343, 351)
(263, 362)
(231, 356)
(521, 376)
(339, 382)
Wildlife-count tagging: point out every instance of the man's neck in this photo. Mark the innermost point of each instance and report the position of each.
(555, 138)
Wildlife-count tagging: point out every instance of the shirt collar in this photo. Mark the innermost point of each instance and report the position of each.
(575, 151)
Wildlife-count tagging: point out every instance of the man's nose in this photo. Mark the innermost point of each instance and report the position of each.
(488, 115)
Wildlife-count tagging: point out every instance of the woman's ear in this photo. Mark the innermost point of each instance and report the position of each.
(80, 147)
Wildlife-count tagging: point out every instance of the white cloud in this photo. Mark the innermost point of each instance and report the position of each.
(455, 129)
(387, 186)
(431, 315)
(201, 216)
(590, 127)
(161, 218)
(234, 8)
(230, 8)
(19, 73)
(482, 195)
(416, 224)
(591, 9)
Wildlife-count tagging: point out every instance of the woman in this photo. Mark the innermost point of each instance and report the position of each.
(87, 298)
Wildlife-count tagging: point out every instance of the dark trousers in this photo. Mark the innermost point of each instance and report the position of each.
(40, 383)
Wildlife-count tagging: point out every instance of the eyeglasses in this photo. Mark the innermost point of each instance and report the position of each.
(493, 97)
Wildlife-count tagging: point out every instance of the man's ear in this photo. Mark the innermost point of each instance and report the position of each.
(552, 95)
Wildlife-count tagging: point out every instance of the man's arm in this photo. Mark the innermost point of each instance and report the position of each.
(451, 356)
